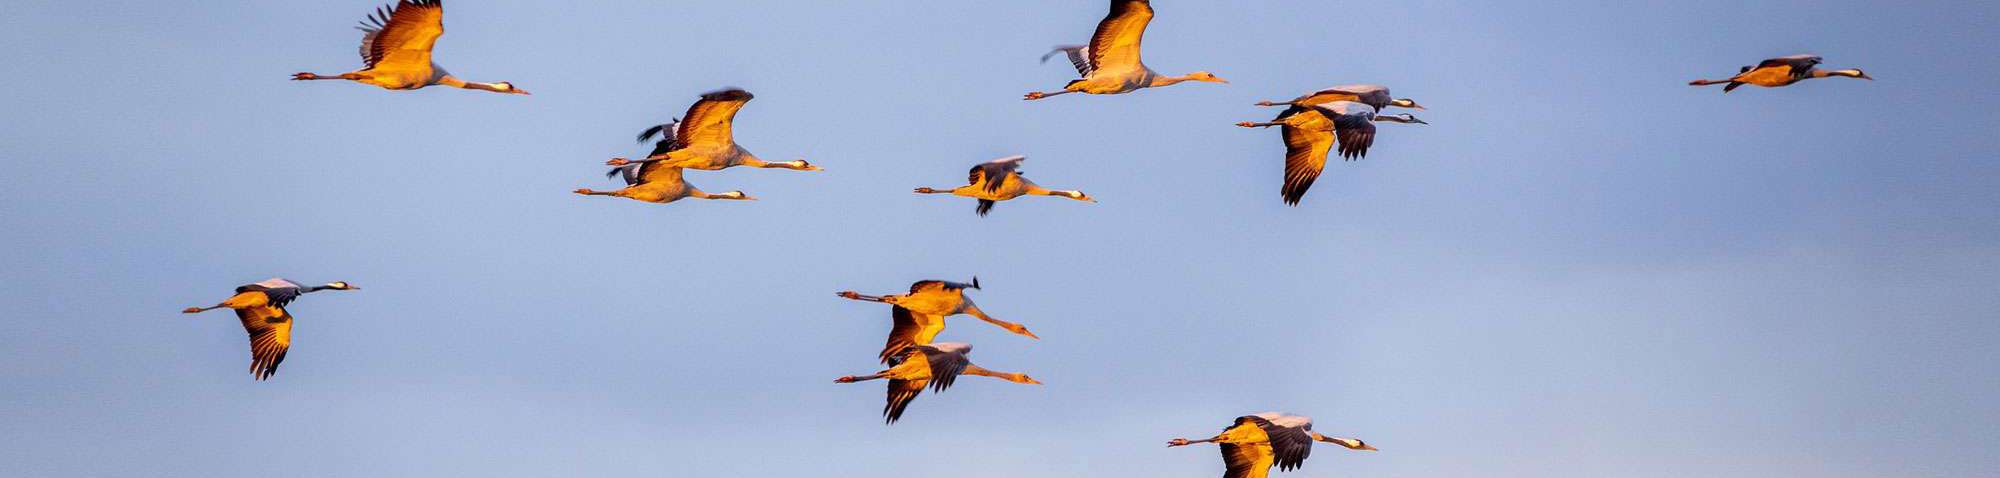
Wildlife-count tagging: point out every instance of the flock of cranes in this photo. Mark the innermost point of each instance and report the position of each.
(396, 54)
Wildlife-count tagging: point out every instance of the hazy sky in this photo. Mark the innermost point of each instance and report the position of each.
(1582, 267)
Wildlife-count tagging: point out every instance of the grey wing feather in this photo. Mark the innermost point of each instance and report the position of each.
(1290, 445)
(279, 291)
(945, 367)
(1079, 56)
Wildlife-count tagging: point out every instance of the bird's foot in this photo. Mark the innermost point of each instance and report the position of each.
(304, 76)
(1247, 124)
(584, 191)
(191, 310)
(1036, 95)
(849, 294)
(1177, 442)
(618, 162)
(846, 379)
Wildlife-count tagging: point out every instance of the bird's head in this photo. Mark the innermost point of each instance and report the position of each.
(737, 195)
(1206, 76)
(1078, 195)
(341, 285)
(508, 88)
(1405, 118)
(1854, 73)
(802, 165)
(1350, 443)
(1023, 378)
(1406, 103)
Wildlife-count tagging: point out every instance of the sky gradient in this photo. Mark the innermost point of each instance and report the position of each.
(1581, 267)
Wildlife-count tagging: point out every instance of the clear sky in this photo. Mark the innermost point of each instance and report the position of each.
(1582, 267)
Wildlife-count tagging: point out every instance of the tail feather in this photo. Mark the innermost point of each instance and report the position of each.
(1731, 86)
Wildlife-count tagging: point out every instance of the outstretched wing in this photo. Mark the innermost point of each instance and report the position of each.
(666, 133)
(945, 366)
(1246, 460)
(910, 329)
(708, 120)
(1116, 42)
(901, 393)
(270, 329)
(277, 292)
(985, 206)
(995, 172)
(1246, 449)
(401, 36)
(1289, 445)
(1373, 95)
(1353, 125)
(1308, 136)
(1798, 63)
(942, 285)
(1079, 57)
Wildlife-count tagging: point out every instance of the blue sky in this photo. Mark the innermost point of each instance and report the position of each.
(1582, 267)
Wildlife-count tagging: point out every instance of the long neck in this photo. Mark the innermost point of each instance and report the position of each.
(1159, 81)
(1818, 73)
(453, 81)
(983, 372)
(1041, 191)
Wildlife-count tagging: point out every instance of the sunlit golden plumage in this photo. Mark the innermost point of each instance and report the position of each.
(936, 366)
(396, 51)
(1111, 63)
(706, 139)
(261, 308)
(1310, 132)
(1253, 444)
(1001, 180)
(1781, 71)
(918, 317)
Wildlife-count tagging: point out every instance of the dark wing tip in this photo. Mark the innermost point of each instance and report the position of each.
(728, 94)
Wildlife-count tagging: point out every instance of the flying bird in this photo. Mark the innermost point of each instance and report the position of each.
(1000, 180)
(261, 307)
(1309, 132)
(1110, 64)
(1781, 71)
(1255, 443)
(1371, 95)
(654, 182)
(919, 315)
(705, 138)
(935, 366)
(396, 51)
